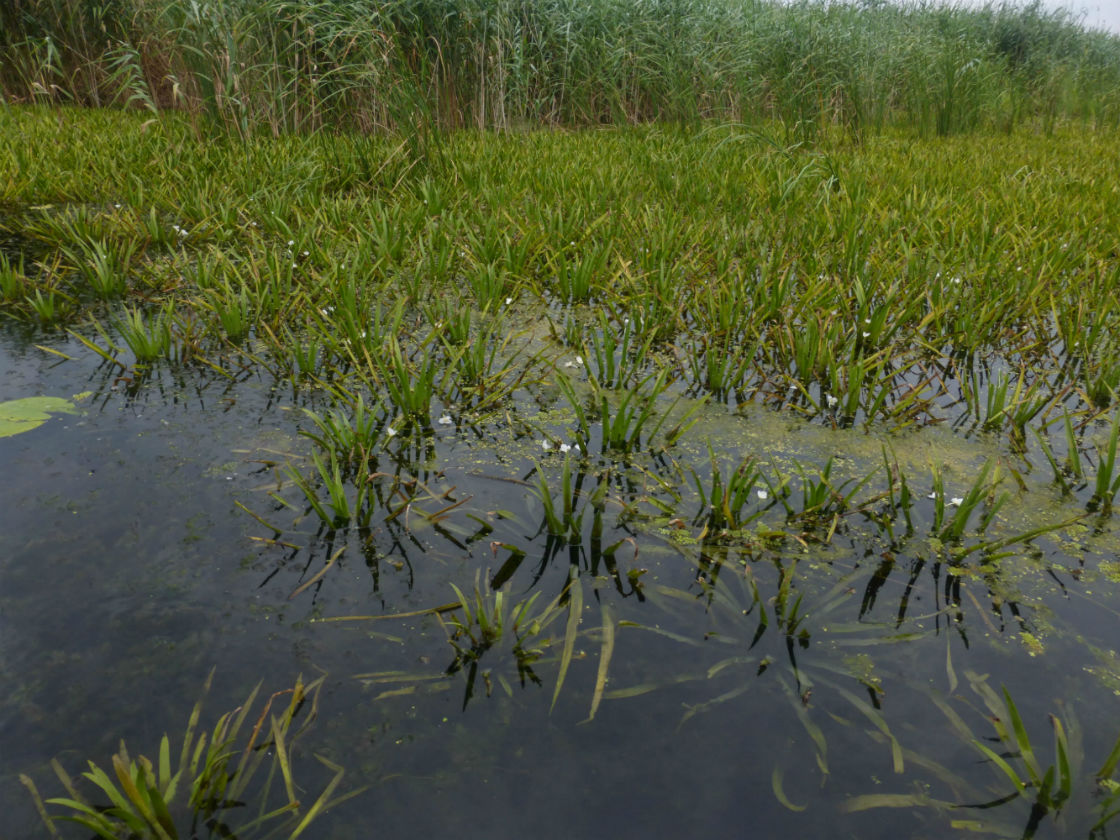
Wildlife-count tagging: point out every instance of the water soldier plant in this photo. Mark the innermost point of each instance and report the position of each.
(1038, 794)
(216, 787)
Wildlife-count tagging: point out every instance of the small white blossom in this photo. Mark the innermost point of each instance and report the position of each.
(445, 420)
(509, 300)
(831, 400)
(565, 448)
(956, 501)
(762, 494)
(546, 445)
(390, 431)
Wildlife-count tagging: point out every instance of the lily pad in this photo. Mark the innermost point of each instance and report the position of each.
(23, 415)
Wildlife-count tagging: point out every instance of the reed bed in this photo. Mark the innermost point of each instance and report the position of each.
(422, 66)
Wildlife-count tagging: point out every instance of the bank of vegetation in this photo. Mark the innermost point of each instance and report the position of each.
(281, 66)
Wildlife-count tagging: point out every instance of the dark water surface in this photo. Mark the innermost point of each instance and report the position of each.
(128, 571)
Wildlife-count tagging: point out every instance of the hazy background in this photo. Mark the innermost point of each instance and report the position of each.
(1102, 14)
(1099, 14)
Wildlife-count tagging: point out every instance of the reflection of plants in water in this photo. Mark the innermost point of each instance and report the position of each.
(774, 634)
(486, 620)
(216, 785)
(1024, 790)
(568, 522)
(486, 624)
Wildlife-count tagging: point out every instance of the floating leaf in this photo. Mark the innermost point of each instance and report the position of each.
(23, 415)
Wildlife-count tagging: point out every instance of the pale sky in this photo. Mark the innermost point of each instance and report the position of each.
(1096, 14)
(1099, 14)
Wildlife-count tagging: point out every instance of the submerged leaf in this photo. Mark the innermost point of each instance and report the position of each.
(776, 783)
(575, 610)
(604, 662)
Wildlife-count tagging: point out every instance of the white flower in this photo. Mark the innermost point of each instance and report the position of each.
(509, 301)
(575, 447)
(762, 494)
(831, 400)
(579, 360)
(565, 448)
(390, 431)
(445, 420)
(546, 445)
(866, 335)
(932, 496)
(955, 501)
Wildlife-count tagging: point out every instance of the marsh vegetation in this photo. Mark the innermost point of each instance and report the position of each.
(790, 396)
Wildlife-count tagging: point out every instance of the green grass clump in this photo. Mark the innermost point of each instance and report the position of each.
(216, 774)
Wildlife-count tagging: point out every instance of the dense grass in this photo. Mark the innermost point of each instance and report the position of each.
(625, 325)
(891, 285)
(280, 66)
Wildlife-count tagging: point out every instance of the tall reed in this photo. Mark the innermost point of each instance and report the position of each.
(426, 65)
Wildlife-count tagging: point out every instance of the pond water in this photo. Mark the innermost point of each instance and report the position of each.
(754, 686)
